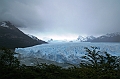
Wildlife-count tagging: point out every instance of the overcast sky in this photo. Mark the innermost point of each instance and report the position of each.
(62, 19)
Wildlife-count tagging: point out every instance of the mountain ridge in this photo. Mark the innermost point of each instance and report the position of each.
(110, 37)
(12, 37)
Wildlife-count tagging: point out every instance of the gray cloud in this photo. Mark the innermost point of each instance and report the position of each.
(21, 13)
(89, 17)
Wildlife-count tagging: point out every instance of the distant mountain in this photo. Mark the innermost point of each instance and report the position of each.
(112, 37)
(12, 37)
(84, 39)
(81, 39)
(56, 41)
(50, 40)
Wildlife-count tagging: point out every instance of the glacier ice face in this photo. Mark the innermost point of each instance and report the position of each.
(66, 52)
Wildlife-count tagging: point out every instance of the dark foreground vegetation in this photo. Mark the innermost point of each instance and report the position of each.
(96, 65)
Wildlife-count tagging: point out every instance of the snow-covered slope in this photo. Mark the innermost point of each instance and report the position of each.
(33, 37)
(4, 24)
(112, 34)
(111, 37)
(81, 39)
(67, 52)
(85, 38)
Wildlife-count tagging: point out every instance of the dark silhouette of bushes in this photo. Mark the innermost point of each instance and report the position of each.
(98, 65)
(100, 60)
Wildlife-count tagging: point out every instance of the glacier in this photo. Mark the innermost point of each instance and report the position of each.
(66, 52)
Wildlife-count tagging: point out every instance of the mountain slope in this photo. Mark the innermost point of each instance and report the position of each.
(84, 39)
(112, 37)
(36, 39)
(12, 37)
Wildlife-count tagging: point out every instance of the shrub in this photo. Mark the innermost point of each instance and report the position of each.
(99, 60)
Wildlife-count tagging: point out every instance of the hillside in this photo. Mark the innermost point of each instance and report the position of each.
(112, 37)
(12, 37)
